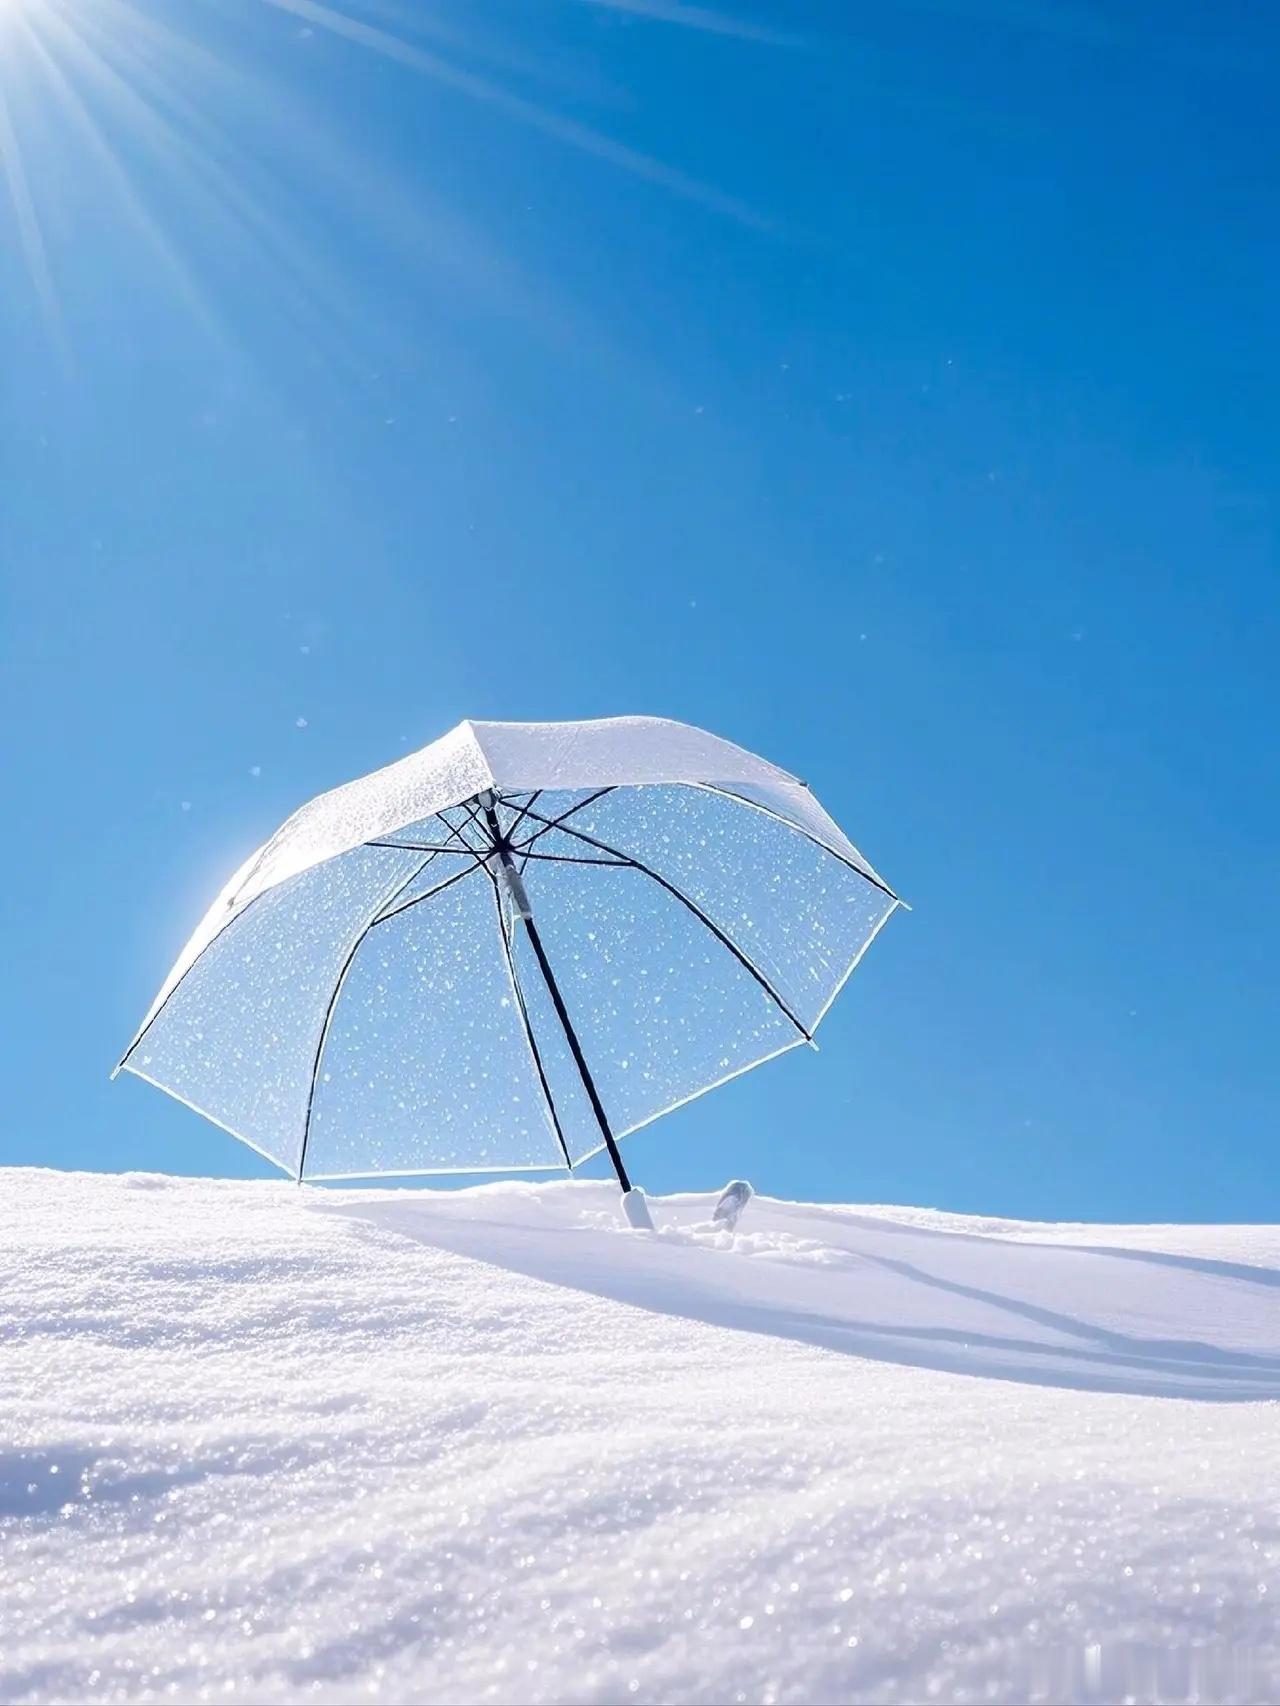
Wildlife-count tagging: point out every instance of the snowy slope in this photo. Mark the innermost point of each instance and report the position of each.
(263, 1443)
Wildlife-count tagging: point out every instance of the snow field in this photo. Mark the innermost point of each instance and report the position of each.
(273, 1444)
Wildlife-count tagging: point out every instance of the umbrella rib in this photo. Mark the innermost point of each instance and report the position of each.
(521, 811)
(555, 822)
(525, 1021)
(572, 859)
(725, 940)
(457, 829)
(429, 847)
(474, 821)
(768, 811)
(234, 919)
(386, 917)
(418, 847)
(333, 1003)
(124, 1058)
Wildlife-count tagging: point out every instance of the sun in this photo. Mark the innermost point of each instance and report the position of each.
(204, 151)
(86, 89)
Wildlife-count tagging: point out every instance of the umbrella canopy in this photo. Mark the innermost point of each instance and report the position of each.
(509, 950)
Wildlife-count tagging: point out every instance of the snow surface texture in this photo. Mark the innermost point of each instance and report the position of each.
(266, 1443)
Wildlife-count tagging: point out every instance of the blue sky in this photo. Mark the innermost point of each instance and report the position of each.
(893, 390)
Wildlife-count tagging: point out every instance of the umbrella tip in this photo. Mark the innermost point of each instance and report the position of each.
(636, 1209)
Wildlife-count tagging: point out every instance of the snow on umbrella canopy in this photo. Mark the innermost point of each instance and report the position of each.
(509, 950)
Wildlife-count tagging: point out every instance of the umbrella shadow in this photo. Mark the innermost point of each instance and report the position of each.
(937, 1310)
(1248, 1272)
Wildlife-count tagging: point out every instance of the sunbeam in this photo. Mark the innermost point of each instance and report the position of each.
(30, 235)
(200, 164)
(702, 18)
(197, 157)
(99, 147)
(527, 112)
(201, 161)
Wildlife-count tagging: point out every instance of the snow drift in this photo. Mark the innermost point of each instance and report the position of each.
(268, 1444)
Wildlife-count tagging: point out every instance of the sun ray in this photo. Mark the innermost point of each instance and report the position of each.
(30, 234)
(416, 20)
(576, 135)
(260, 198)
(73, 104)
(434, 245)
(202, 164)
(701, 18)
(212, 165)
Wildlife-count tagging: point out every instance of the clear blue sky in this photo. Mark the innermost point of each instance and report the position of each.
(892, 389)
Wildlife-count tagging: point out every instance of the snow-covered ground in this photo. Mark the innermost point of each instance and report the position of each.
(268, 1444)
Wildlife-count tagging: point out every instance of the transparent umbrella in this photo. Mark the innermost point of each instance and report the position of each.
(510, 950)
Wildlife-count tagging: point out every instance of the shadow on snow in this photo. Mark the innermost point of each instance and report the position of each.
(1081, 1316)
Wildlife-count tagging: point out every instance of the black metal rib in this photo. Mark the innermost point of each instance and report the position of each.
(333, 1002)
(463, 845)
(421, 847)
(743, 959)
(233, 919)
(521, 811)
(555, 822)
(457, 829)
(571, 859)
(757, 806)
(525, 1021)
(386, 917)
(381, 918)
(476, 819)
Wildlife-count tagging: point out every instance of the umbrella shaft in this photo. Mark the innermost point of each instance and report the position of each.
(515, 887)
(575, 1048)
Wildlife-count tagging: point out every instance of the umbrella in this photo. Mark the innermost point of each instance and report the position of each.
(511, 949)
